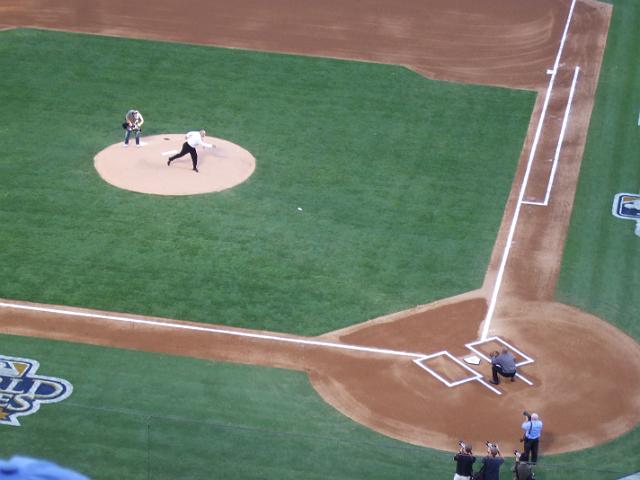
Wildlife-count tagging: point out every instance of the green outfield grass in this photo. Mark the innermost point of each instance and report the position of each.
(601, 266)
(139, 416)
(135, 415)
(600, 271)
(191, 419)
(402, 182)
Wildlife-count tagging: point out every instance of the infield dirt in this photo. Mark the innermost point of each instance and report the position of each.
(496, 42)
(144, 169)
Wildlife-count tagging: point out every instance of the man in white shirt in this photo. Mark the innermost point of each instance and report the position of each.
(132, 123)
(193, 140)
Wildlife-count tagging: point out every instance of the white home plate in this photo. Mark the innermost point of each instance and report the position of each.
(472, 360)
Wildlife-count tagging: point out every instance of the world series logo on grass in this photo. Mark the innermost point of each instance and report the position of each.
(627, 206)
(22, 391)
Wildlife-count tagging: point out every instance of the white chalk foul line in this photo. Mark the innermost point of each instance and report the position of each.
(527, 359)
(556, 157)
(170, 152)
(471, 346)
(565, 121)
(564, 37)
(219, 331)
(418, 358)
(516, 214)
(475, 376)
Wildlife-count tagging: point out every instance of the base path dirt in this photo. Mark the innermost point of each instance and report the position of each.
(371, 372)
(499, 42)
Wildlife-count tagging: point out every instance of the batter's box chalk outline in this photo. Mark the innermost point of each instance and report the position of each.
(527, 359)
(475, 376)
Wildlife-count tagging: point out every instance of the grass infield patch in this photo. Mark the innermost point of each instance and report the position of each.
(402, 181)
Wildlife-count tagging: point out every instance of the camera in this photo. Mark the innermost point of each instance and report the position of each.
(527, 414)
(464, 447)
(490, 444)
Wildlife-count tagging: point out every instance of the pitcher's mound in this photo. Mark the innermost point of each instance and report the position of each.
(144, 169)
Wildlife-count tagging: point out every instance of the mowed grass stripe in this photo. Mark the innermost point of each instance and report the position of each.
(140, 415)
(402, 182)
(186, 418)
(601, 266)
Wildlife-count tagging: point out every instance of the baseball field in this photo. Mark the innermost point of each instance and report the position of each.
(261, 331)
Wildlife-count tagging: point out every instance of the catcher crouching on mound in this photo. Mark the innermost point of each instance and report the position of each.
(132, 123)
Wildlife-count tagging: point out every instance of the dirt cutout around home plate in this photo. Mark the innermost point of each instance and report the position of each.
(586, 375)
(144, 169)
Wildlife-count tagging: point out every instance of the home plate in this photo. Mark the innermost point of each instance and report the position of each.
(472, 360)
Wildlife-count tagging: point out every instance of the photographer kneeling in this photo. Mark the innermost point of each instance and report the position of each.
(464, 462)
